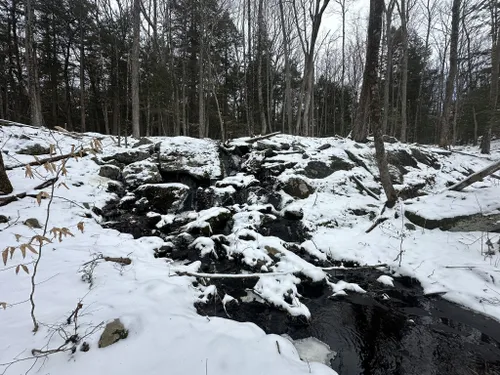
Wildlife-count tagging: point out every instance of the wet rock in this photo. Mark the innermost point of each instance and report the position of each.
(3, 219)
(113, 332)
(128, 157)
(33, 223)
(140, 173)
(293, 214)
(298, 188)
(164, 198)
(110, 171)
(34, 149)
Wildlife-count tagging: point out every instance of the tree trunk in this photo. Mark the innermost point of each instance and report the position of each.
(260, 32)
(288, 75)
(450, 82)
(404, 71)
(136, 127)
(370, 85)
(5, 185)
(388, 68)
(32, 69)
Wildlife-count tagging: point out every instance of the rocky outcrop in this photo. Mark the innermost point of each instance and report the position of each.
(163, 198)
(110, 171)
(140, 173)
(298, 188)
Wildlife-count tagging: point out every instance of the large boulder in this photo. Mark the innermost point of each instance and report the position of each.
(298, 188)
(164, 198)
(34, 149)
(110, 171)
(140, 173)
(128, 157)
(320, 169)
(113, 332)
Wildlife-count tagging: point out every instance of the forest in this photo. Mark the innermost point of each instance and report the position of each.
(230, 68)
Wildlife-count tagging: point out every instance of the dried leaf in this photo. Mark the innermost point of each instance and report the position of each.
(52, 149)
(12, 249)
(39, 198)
(5, 254)
(31, 248)
(17, 268)
(40, 239)
(64, 171)
(67, 232)
(80, 226)
(63, 184)
(72, 149)
(18, 237)
(25, 268)
(4, 305)
(29, 172)
(23, 250)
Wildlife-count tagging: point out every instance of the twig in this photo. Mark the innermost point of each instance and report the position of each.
(12, 198)
(80, 153)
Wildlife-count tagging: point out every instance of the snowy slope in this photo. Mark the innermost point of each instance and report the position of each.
(165, 333)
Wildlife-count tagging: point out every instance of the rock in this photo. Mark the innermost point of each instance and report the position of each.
(253, 163)
(116, 187)
(113, 332)
(389, 139)
(401, 159)
(3, 219)
(34, 149)
(396, 175)
(128, 157)
(298, 188)
(264, 145)
(164, 198)
(140, 173)
(33, 223)
(467, 223)
(110, 171)
(410, 226)
(293, 214)
(324, 146)
(425, 158)
(142, 141)
(85, 347)
(319, 169)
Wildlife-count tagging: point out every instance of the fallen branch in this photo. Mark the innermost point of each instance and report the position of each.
(364, 188)
(342, 268)
(230, 275)
(80, 153)
(475, 177)
(122, 261)
(261, 137)
(12, 198)
(468, 268)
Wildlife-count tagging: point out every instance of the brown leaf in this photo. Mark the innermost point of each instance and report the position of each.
(67, 232)
(17, 268)
(31, 248)
(5, 254)
(29, 172)
(23, 250)
(39, 198)
(25, 268)
(80, 226)
(63, 184)
(18, 237)
(52, 149)
(11, 249)
(64, 171)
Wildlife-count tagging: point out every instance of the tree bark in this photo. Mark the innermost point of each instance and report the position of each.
(388, 68)
(450, 82)
(288, 75)
(136, 128)
(370, 84)
(404, 70)
(260, 35)
(5, 185)
(32, 69)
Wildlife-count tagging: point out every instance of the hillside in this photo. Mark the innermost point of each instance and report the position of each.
(288, 214)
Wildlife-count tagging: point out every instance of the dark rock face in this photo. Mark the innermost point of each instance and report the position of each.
(140, 173)
(425, 158)
(298, 188)
(473, 223)
(110, 171)
(164, 198)
(3, 219)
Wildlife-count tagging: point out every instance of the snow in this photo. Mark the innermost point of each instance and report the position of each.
(386, 280)
(156, 305)
(165, 332)
(312, 349)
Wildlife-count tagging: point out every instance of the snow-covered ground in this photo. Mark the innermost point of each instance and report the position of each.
(166, 335)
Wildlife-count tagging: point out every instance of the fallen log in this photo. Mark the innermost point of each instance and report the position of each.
(230, 275)
(12, 198)
(52, 159)
(261, 137)
(364, 188)
(475, 177)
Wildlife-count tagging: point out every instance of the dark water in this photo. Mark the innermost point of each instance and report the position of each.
(409, 333)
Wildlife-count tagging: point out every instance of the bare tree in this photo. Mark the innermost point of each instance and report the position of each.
(388, 68)
(32, 69)
(136, 128)
(370, 100)
(288, 75)
(448, 99)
